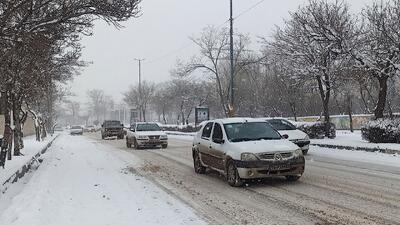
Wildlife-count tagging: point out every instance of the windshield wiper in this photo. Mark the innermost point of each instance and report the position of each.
(241, 139)
(267, 138)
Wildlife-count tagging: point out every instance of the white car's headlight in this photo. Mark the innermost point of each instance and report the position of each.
(249, 157)
(163, 137)
(298, 153)
(143, 137)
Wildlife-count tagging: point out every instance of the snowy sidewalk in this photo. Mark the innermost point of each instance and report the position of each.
(82, 181)
(32, 147)
(353, 141)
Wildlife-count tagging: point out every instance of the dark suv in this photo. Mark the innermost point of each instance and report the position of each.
(111, 128)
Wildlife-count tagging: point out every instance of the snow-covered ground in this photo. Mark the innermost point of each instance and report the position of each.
(356, 156)
(181, 135)
(82, 181)
(346, 138)
(32, 147)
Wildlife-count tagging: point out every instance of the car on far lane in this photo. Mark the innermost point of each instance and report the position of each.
(144, 134)
(90, 128)
(76, 130)
(285, 127)
(245, 148)
(111, 128)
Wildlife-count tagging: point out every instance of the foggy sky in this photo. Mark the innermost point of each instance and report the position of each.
(161, 34)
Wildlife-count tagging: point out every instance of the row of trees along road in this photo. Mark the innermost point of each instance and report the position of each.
(40, 50)
(323, 60)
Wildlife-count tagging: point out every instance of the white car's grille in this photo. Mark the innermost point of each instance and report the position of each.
(273, 156)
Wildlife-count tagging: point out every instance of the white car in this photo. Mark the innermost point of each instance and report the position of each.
(146, 135)
(246, 148)
(76, 130)
(285, 127)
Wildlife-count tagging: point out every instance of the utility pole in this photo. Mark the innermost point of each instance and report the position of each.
(140, 88)
(232, 99)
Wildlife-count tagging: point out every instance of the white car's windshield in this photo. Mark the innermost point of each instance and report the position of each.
(148, 127)
(250, 131)
(279, 124)
(76, 127)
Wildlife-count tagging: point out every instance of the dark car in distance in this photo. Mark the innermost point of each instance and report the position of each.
(112, 128)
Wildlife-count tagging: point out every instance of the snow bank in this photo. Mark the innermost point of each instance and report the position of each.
(354, 140)
(32, 147)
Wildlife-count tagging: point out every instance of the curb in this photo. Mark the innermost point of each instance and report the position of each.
(25, 168)
(365, 149)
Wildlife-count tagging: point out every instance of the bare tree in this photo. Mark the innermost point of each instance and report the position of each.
(141, 99)
(213, 43)
(96, 103)
(315, 41)
(163, 100)
(39, 43)
(379, 47)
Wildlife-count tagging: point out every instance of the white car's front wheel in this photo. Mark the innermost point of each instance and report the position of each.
(198, 167)
(135, 144)
(232, 175)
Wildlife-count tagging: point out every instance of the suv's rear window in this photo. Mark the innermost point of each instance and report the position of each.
(112, 123)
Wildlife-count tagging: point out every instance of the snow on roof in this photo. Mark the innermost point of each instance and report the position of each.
(147, 123)
(272, 118)
(237, 120)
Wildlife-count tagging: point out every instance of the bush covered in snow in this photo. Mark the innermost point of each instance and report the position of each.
(382, 131)
(316, 130)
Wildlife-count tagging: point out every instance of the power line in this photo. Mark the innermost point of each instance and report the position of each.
(249, 9)
(173, 52)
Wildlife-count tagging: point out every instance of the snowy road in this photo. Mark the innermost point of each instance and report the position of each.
(83, 182)
(332, 190)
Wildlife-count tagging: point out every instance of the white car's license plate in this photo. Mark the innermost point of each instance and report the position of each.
(279, 167)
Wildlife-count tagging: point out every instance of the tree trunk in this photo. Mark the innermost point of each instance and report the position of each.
(326, 117)
(163, 115)
(349, 110)
(325, 96)
(8, 133)
(389, 107)
(294, 110)
(4, 145)
(188, 115)
(43, 130)
(144, 114)
(380, 105)
(17, 129)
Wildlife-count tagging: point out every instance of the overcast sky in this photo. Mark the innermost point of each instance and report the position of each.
(161, 34)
